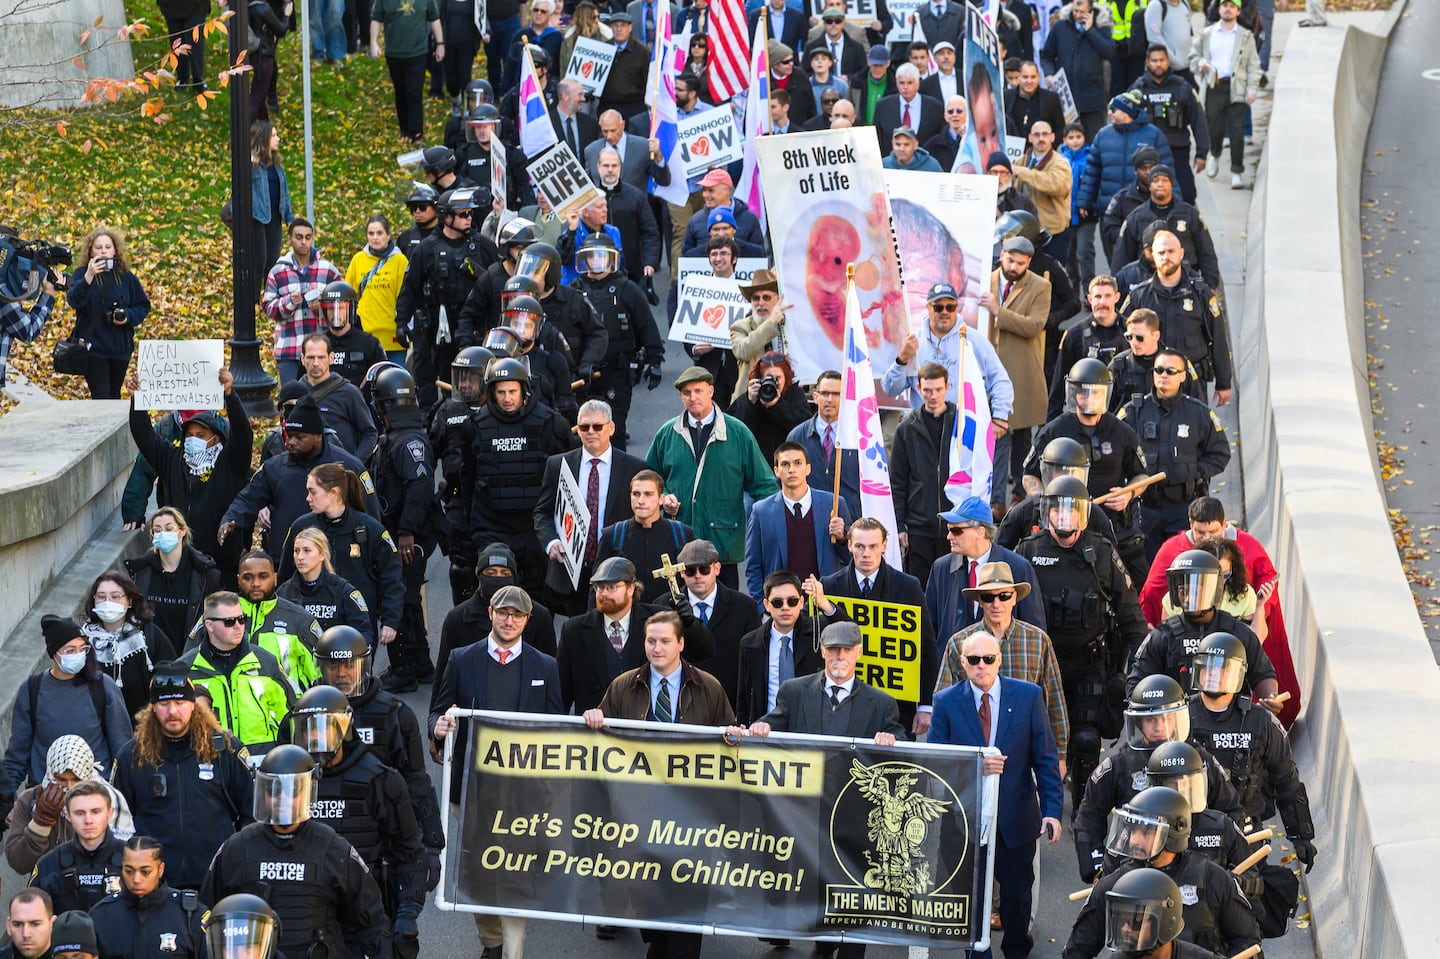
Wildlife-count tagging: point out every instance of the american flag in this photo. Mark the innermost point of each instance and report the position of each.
(972, 443)
(729, 63)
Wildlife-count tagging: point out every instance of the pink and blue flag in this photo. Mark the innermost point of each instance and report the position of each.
(537, 133)
(757, 120)
(972, 442)
(664, 115)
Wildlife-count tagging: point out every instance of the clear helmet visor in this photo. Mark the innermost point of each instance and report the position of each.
(533, 265)
(350, 676)
(468, 383)
(1049, 471)
(1216, 673)
(1132, 925)
(1148, 729)
(283, 799)
(1133, 836)
(479, 131)
(598, 260)
(338, 313)
(525, 324)
(1194, 591)
(242, 935)
(476, 96)
(1190, 785)
(1091, 399)
(1065, 514)
(502, 342)
(321, 733)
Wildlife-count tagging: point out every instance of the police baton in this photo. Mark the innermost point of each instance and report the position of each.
(1247, 953)
(1260, 854)
(1260, 836)
(1136, 487)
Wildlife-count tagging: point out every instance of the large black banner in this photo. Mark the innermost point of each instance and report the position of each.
(645, 824)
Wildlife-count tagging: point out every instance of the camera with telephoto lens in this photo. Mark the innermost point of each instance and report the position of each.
(25, 263)
(770, 388)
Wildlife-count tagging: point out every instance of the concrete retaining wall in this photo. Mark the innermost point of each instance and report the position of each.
(40, 38)
(1313, 494)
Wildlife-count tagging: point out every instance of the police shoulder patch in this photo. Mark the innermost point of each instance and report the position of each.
(417, 450)
(1214, 305)
(1215, 421)
(359, 600)
(385, 535)
(366, 481)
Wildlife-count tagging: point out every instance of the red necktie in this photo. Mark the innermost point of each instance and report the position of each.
(1005, 292)
(592, 503)
(974, 604)
(984, 715)
(905, 117)
(504, 655)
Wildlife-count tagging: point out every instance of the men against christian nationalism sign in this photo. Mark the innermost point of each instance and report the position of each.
(647, 824)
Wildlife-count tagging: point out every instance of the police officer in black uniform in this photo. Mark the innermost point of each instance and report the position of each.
(1194, 581)
(481, 123)
(514, 434)
(85, 869)
(404, 469)
(1158, 713)
(550, 371)
(1134, 369)
(1250, 743)
(483, 302)
(242, 926)
(450, 435)
(442, 170)
(1062, 456)
(1153, 829)
(366, 802)
(425, 218)
(1115, 457)
(635, 348)
(1143, 917)
(385, 724)
(1101, 338)
(476, 93)
(1093, 616)
(566, 310)
(1214, 835)
(1180, 437)
(352, 350)
(1177, 216)
(324, 895)
(441, 272)
(148, 918)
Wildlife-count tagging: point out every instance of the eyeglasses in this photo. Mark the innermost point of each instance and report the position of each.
(787, 602)
(988, 659)
(944, 307)
(1168, 371)
(591, 427)
(229, 622)
(955, 111)
(698, 570)
(508, 614)
(1004, 597)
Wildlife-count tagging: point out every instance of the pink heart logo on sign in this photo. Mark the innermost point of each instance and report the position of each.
(713, 315)
(701, 147)
(586, 68)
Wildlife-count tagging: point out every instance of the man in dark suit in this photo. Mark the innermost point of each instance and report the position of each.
(1009, 714)
(636, 167)
(782, 647)
(1028, 102)
(942, 20)
(785, 22)
(906, 107)
(970, 530)
(945, 81)
(572, 124)
(505, 673)
(625, 90)
(602, 473)
(868, 576)
(727, 613)
(833, 702)
(609, 639)
(794, 529)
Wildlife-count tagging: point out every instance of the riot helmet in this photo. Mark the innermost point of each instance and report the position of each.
(1155, 820)
(338, 303)
(467, 374)
(321, 722)
(1194, 580)
(1087, 388)
(516, 286)
(516, 234)
(343, 654)
(284, 786)
(1063, 456)
(453, 202)
(541, 261)
(539, 56)
(1021, 223)
(502, 341)
(1180, 767)
(597, 256)
(367, 384)
(393, 389)
(525, 316)
(438, 161)
(1158, 712)
(1220, 665)
(479, 93)
(241, 926)
(485, 117)
(1142, 911)
(1065, 506)
(506, 370)
(423, 194)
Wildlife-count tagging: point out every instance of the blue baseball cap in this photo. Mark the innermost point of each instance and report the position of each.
(972, 510)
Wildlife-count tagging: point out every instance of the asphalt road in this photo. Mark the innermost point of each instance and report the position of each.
(1399, 213)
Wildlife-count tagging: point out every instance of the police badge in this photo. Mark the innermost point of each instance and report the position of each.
(354, 550)
(1189, 895)
(1187, 305)
(1179, 226)
(1139, 780)
(1183, 430)
(167, 942)
(112, 885)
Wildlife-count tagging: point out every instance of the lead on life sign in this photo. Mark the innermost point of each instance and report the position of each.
(180, 375)
(563, 180)
(572, 521)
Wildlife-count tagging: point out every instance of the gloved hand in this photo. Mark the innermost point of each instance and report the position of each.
(432, 868)
(1252, 884)
(1305, 852)
(49, 800)
(652, 375)
(587, 373)
(402, 334)
(1088, 871)
(405, 929)
(684, 610)
(650, 294)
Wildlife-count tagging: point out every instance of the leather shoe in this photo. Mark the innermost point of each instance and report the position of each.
(606, 932)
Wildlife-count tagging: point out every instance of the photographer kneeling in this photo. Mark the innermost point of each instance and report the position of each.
(109, 303)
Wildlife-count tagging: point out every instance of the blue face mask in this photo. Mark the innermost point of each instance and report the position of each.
(166, 541)
(71, 663)
(195, 445)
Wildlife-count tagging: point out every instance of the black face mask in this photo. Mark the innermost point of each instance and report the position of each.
(489, 584)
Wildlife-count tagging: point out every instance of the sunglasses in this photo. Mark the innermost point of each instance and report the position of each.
(944, 307)
(957, 530)
(1168, 371)
(467, 214)
(787, 60)
(1004, 597)
(699, 570)
(229, 622)
(789, 602)
(988, 659)
(1133, 337)
(591, 427)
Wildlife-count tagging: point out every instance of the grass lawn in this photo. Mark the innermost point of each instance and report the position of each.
(164, 185)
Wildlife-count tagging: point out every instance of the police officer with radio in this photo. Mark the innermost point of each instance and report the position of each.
(441, 272)
(1092, 615)
(147, 917)
(550, 372)
(385, 724)
(404, 469)
(450, 433)
(324, 895)
(635, 350)
(1250, 743)
(366, 803)
(1175, 216)
(1157, 714)
(1214, 835)
(1195, 583)
(1176, 111)
(1062, 456)
(1143, 918)
(81, 871)
(1115, 459)
(1182, 438)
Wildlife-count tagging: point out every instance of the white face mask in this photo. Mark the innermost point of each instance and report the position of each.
(72, 663)
(109, 611)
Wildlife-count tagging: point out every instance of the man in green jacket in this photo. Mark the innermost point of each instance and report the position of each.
(284, 629)
(708, 460)
(248, 690)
